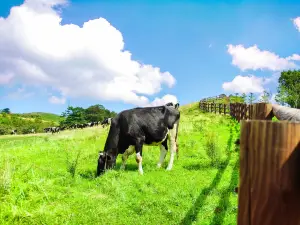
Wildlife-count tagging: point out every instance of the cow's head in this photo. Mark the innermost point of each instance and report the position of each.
(105, 161)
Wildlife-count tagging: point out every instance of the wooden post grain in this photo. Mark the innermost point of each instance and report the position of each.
(269, 192)
(262, 111)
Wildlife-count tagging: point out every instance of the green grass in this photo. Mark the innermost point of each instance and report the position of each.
(50, 179)
(44, 116)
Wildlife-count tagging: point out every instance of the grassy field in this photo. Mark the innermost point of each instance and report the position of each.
(50, 179)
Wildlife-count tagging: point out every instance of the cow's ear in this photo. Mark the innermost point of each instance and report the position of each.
(177, 106)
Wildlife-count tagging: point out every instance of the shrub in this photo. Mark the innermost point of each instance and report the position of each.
(212, 148)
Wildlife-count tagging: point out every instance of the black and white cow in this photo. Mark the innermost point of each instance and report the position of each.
(55, 130)
(133, 128)
(13, 132)
(176, 106)
(47, 129)
(106, 122)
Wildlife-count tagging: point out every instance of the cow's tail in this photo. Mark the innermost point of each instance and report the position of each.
(177, 150)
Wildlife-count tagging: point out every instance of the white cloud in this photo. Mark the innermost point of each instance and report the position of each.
(294, 57)
(57, 100)
(79, 61)
(5, 78)
(20, 93)
(253, 58)
(297, 23)
(164, 100)
(245, 84)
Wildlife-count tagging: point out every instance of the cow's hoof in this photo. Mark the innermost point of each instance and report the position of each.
(168, 169)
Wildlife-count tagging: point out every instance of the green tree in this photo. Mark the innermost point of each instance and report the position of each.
(251, 98)
(244, 97)
(265, 97)
(95, 113)
(73, 115)
(289, 88)
(6, 110)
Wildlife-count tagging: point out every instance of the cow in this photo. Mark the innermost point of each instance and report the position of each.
(55, 130)
(176, 106)
(47, 129)
(13, 132)
(32, 131)
(133, 128)
(106, 122)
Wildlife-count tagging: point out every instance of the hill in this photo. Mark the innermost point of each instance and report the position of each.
(50, 179)
(43, 115)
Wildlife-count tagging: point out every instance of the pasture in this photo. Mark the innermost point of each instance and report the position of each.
(50, 179)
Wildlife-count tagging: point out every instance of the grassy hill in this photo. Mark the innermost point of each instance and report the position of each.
(44, 116)
(37, 185)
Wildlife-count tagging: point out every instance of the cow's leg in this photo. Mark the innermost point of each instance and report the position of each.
(125, 156)
(173, 146)
(163, 152)
(139, 155)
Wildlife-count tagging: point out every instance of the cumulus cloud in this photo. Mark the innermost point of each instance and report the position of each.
(164, 100)
(253, 58)
(57, 100)
(79, 61)
(5, 78)
(245, 84)
(20, 93)
(294, 57)
(297, 23)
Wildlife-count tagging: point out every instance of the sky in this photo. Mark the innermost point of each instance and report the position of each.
(124, 54)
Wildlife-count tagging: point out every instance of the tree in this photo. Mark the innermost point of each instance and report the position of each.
(236, 97)
(289, 88)
(73, 115)
(265, 97)
(6, 110)
(95, 113)
(251, 98)
(244, 97)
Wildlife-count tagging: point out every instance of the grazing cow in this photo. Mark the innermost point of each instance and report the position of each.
(106, 122)
(33, 131)
(14, 132)
(133, 128)
(47, 129)
(55, 130)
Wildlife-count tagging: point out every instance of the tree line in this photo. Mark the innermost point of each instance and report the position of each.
(79, 115)
(24, 123)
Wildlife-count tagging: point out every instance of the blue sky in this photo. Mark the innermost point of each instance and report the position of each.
(189, 39)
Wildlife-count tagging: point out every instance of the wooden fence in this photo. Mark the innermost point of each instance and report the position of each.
(239, 111)
(269, 180)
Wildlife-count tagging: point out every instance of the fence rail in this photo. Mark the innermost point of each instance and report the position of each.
(239, 111)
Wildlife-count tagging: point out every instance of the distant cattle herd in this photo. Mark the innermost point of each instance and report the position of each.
(57, 129)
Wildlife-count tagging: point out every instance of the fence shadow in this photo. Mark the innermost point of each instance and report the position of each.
(223, 204)
(193, 212)
(191, 215)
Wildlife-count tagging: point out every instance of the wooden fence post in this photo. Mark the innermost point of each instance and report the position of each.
(269, 192)
(262, 111)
